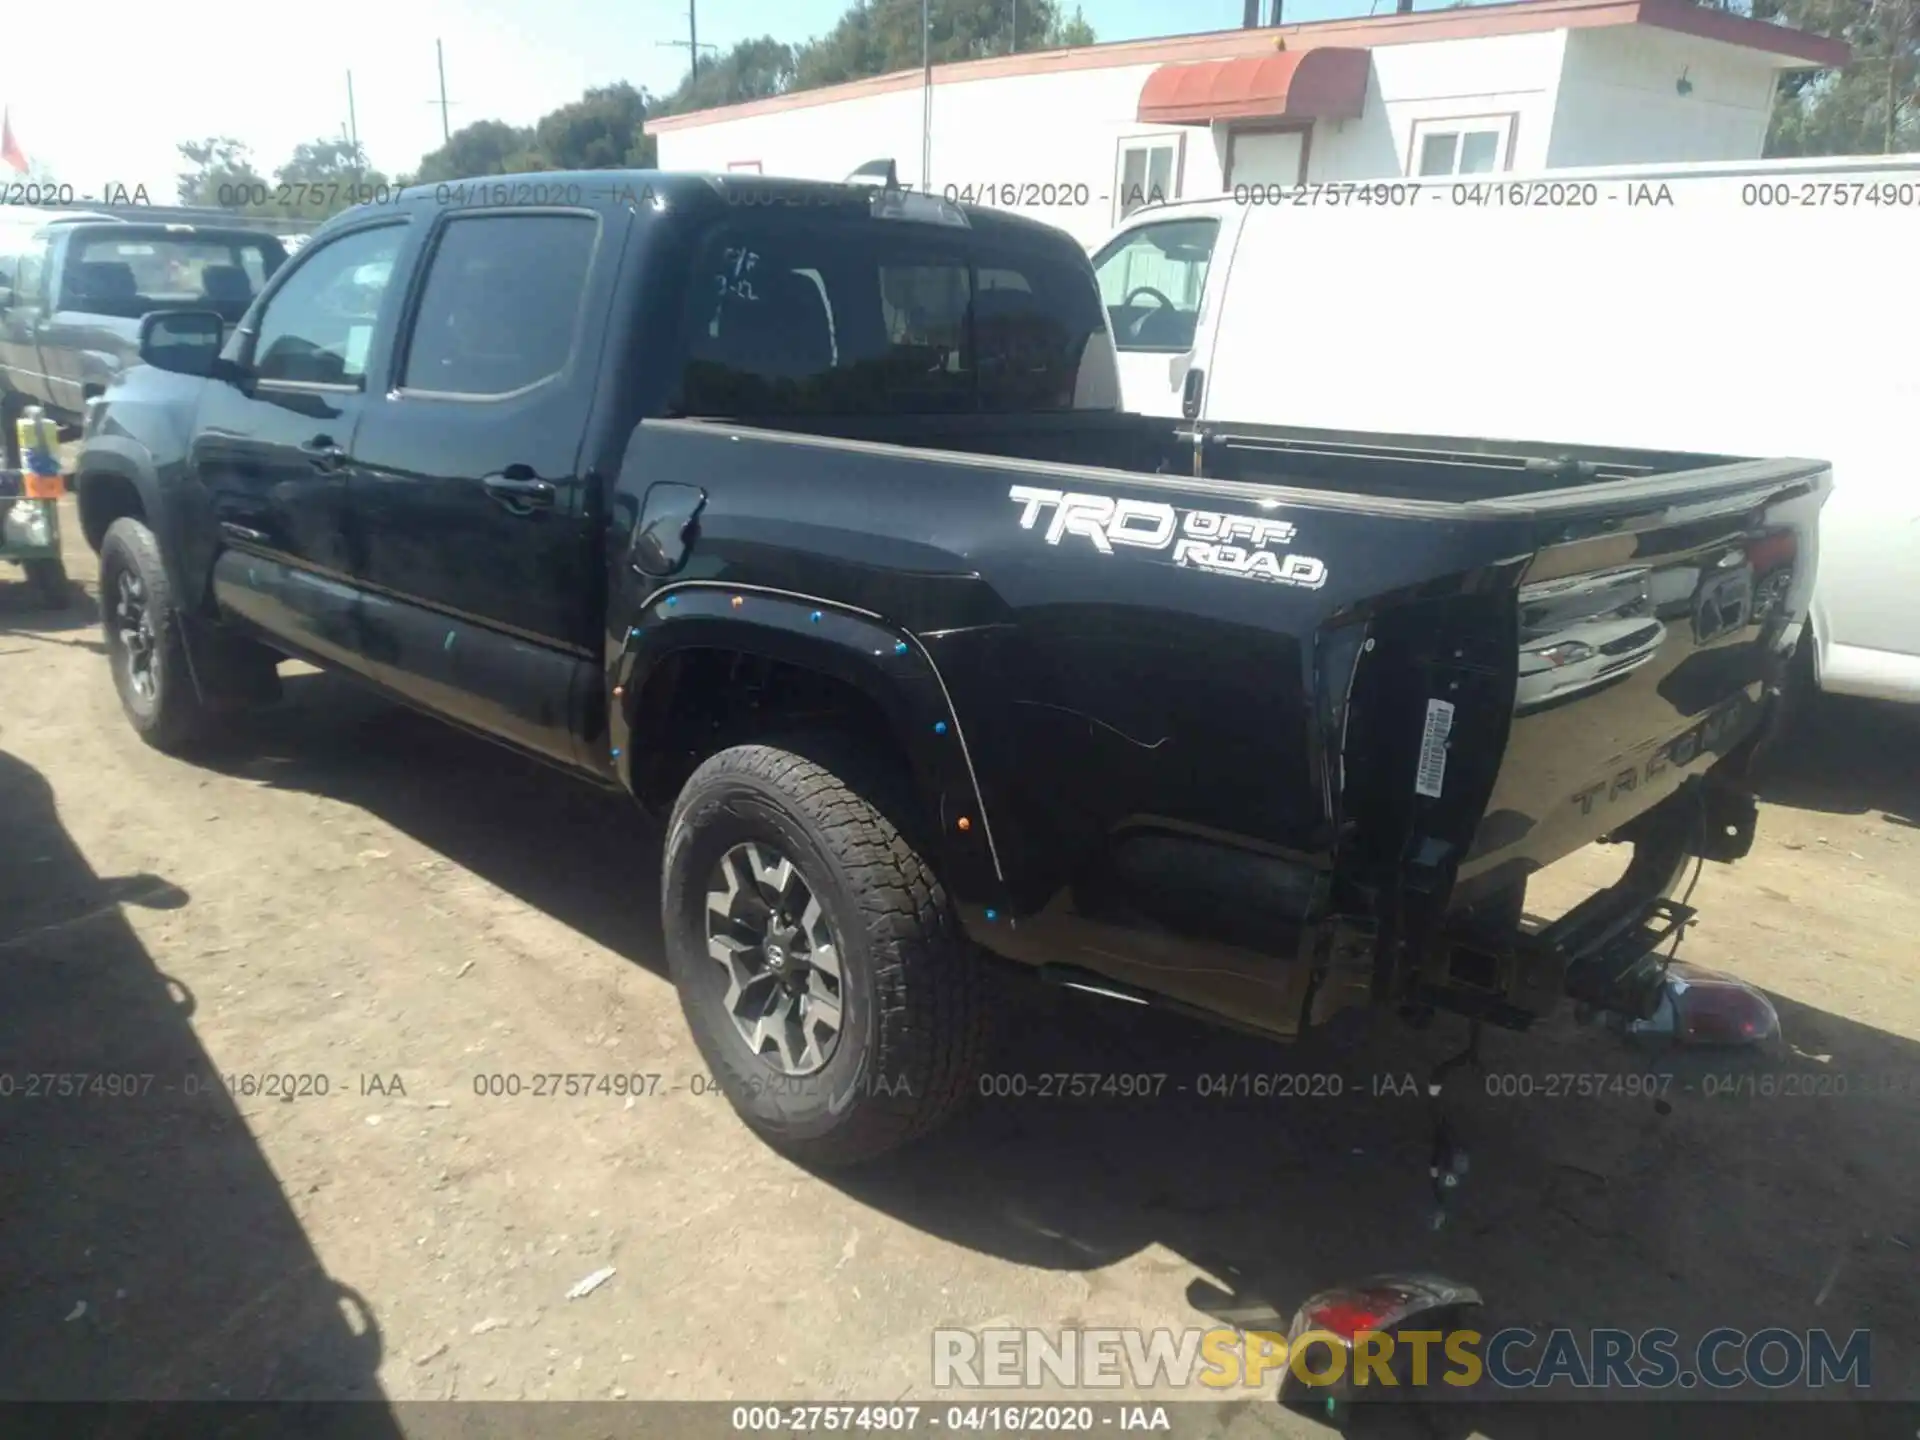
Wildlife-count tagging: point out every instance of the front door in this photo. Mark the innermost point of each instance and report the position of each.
(272, 451)
(1153, 279)
(23, 310)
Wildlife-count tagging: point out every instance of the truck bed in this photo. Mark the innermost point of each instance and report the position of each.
(1340, 463)
(1467, 660)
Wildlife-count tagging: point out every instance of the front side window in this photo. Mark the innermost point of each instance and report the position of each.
(1152, 281)
(318, 327)
(501, 304)
(863, 317)
(1460, 147)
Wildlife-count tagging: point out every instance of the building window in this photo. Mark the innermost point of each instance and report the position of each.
(1148, 174)
(1477, 145)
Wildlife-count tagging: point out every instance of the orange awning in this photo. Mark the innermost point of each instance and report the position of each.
(1326, 83)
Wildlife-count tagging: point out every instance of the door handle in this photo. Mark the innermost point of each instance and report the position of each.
(516, 489)
(1190, 393)
(323, 454)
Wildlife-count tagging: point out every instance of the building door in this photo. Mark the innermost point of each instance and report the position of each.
(1267, 157)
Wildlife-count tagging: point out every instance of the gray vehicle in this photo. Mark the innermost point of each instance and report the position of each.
(73, 290)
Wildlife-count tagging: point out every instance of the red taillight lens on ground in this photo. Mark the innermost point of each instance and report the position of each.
(1703, 1007)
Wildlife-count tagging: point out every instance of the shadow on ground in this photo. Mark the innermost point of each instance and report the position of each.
(1849, 757)
(1742, 1205)
(25, 621)
(147, 1249)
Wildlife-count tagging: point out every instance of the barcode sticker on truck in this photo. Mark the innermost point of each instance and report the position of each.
(1433, 749)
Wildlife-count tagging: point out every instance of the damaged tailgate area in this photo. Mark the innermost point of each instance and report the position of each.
(1615, 687)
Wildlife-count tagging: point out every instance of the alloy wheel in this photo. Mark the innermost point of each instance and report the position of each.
(767, 930)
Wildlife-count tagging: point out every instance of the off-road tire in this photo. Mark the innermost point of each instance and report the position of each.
(174, 719)
(49, 581)
(916, 997)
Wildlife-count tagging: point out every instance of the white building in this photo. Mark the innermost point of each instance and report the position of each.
(1077, 137)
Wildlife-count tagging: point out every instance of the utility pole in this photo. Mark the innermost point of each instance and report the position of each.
(926, 98)
(1013, 42)
(440, 58)
(692, 44)
(353, 124)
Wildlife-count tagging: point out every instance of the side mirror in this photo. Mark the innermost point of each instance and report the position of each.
(186, 342)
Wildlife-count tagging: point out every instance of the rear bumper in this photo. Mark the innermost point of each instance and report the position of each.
(1610, 951)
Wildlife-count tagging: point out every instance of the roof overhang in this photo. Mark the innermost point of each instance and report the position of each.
(1326, 82)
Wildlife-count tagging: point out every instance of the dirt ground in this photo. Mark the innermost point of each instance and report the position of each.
(361, 897)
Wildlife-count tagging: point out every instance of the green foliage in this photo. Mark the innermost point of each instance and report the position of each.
(881, 36)
(320, 178)
(877, 37)
(486, 147)
(219, 162)
(1870, 107)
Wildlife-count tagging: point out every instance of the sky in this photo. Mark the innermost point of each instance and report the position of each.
(153, 74)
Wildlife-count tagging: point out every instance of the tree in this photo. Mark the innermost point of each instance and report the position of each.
(486, 147)
(322, 178)
(599, 131)
(882, 36)
(223, 173)
(751, 70)
(1872, 106)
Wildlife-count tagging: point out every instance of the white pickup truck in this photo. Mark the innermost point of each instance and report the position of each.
(1754, 308)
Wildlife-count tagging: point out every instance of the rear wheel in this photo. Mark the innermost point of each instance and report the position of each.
(831, 993)
(146, 648)
(49, 581)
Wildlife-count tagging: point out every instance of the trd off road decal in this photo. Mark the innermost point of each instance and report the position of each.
(1212, 540)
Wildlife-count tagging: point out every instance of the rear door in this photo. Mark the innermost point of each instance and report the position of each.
(1153, 282)
(467, 479)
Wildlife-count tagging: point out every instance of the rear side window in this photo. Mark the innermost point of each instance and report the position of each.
(861, 317)
(127, 275)
(501, 304)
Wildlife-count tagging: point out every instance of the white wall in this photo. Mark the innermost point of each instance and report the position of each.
(1444, 79)
(1059, 129)
(1620, 105)
(1586, 97)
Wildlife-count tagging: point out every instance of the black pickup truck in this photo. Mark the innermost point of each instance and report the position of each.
(806, 515)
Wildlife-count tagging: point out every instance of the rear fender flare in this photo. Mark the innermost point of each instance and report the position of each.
(882, 661)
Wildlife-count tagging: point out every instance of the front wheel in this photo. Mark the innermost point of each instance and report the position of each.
(826, 983)
(145, 646)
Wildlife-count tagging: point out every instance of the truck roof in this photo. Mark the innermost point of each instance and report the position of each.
(694, 190)
(142, 229)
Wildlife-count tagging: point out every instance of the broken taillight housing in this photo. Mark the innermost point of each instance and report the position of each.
(1383, 1305)
(1704, 1007)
